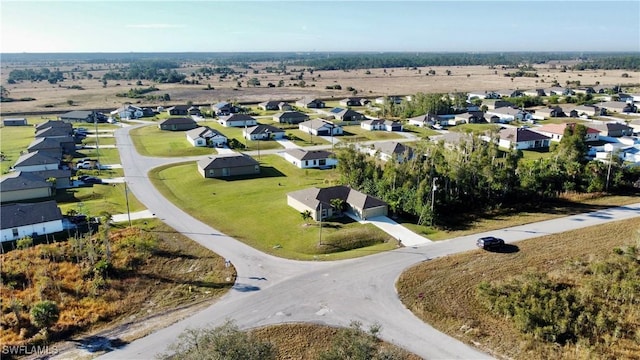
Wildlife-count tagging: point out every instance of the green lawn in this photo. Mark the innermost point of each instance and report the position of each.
(102, 140)
(151, 141)
(13, 140)
(304, 139)
(474, 128)
(96, 199)
(255, 210)
(356, 133)
(422, 132)
(105, 156)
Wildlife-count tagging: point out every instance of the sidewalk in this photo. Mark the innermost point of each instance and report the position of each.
(399, 232)
(144, 214)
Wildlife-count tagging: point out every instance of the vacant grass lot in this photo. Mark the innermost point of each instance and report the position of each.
(151, 141)
(255, 210)
(236, 133)
(356, 133)
(105, 156)
(442, 292)
(421, 132)
(13, 140)
(96, 199)
(304, 139)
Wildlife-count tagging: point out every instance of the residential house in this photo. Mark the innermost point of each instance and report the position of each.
(237, 120)
(586, 110)
(194, 111)
(290, 117)
(612, 129)
(347, 115)
(54, 123)
(306, 159)
(559, 91)
(496, 103)
(224, 108)
(482, 94)
(53, 145)
(584, 90)
(556, 131)
(205, 136)
(391, 150)
(177, 124)
(19, 220)
(226, 165)
(19, 186)
(62, 178)
(36, 161)
(310, 103)
(453, 139)
(128, 112)
(636, 97)
(83, 116)
(262, 132)
(522, 139)
(320, 127)
(618, 106)
(625, 97)
(472, 117)
(426, 120)
(534, 92)
(275, 105)
(381, 124)
(397, 100)
(509, 93)
(54, 132)
(508, 114)
(548, 112)
(318, 202)
(15, 122)
(178, 110)
(355, 101)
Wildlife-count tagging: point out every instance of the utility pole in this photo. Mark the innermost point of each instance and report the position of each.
(433, 198)
(320, 240)
(609, 170)
(126, 197)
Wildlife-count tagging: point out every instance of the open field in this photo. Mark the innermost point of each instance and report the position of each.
(283, 232)
(380, 82)
(442, 292)
(96, 199)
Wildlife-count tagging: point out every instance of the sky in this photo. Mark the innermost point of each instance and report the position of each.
(307, 26)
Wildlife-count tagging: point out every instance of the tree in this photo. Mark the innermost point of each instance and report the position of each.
(306, 216)
(4, 92)
(338, 205)
(44, 314)
(225, 342)
(253, 82)
(24, 243)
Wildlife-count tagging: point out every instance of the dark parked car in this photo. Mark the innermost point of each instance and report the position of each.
(91, 180)
(489, 243)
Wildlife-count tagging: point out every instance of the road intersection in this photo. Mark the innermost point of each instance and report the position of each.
(271, 290)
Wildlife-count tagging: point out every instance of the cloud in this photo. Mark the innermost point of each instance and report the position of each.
(155, 26)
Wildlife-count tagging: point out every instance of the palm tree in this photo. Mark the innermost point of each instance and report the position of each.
(306, 216)
(107, 217)
(338, 205)
(44, 314)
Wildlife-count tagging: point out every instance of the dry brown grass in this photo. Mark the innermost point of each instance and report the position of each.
(442, 292)
(396, 81)
(180, 273)
(303, 341)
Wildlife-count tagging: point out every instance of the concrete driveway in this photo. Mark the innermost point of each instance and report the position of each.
(399, 232)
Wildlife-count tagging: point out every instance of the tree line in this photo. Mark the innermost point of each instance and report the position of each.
(434, 181)
(41, 74)
(162, 71)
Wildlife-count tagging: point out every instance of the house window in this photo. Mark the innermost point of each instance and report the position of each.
(15, 232)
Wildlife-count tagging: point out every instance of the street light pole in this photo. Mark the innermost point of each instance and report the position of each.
(433, 198)
(126, 197)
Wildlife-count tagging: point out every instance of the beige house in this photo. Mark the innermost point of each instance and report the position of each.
(318, 202)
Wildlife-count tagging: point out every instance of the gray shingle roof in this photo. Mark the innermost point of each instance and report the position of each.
(177, 121)
(520, 134)
(35, 158)
(226, 161)
(20, 180)
(392, 147)
(263, 129)
(302, 154)
(203, 131)
(16, 215)
(313, 197)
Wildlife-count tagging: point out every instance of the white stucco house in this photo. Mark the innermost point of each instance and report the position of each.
(29, 219)
(307, 159)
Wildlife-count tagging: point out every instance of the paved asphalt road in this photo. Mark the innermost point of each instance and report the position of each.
(271, 290)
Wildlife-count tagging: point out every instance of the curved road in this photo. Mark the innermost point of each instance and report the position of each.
(272, 290)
